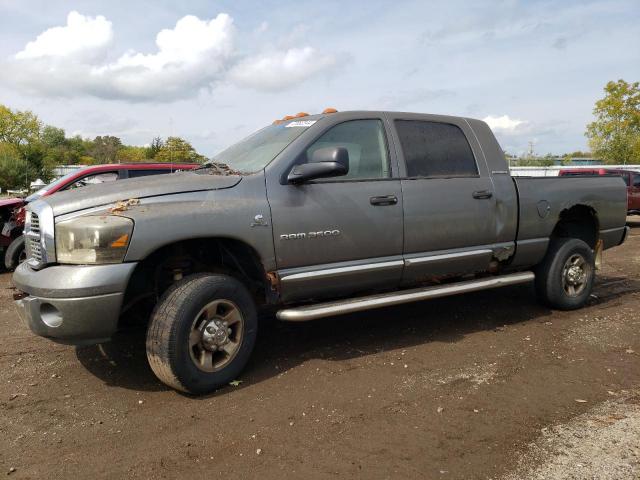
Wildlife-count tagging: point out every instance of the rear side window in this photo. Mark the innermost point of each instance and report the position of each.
(144, 173)
(433, 149)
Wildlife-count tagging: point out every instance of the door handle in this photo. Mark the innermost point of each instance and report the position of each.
(480, 194)
(384, 200)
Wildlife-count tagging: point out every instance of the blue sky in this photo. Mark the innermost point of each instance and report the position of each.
(213, 72)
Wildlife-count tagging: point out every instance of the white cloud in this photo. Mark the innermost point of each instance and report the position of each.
(81, 35)
(263, 27)
(191, 56)
(279, 70)
(194, 55)
(504, 124)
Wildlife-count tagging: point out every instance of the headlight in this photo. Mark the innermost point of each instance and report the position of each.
(93, 239)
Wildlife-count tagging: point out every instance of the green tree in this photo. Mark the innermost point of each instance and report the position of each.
(53, 137)
(176, 149)
(614, 135)
(21, 130)
(12, 166)
(129, 154)
(154, 148)
(18, 128)
(105, 149)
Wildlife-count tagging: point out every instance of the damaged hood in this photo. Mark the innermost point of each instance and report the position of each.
(11, 202)
(92, 196)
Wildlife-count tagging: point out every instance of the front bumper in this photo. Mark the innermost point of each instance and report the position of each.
(72, 304)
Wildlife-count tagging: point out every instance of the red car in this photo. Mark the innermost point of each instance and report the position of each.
(12, 209)
(630, 177)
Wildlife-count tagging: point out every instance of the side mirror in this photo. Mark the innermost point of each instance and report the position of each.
(324, 162)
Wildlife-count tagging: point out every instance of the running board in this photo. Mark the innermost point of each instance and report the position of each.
(328, 309)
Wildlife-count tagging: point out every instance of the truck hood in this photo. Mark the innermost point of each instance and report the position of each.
(11, 202)
(92, 196)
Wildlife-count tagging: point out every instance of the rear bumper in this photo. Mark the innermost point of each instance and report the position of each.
(72, 304)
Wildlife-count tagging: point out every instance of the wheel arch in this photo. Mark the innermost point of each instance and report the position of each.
(171, 262)
(579, 221)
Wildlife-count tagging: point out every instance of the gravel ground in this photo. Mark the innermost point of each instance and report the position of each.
(602, 444)
(484, 386)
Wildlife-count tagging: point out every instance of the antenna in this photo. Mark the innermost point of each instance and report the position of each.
(531, 144)
(170, 146)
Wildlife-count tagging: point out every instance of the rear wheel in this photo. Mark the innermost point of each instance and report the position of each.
(202, 333)
(564, 279)
(15, 254)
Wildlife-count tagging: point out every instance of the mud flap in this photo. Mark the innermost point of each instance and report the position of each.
(598, 254)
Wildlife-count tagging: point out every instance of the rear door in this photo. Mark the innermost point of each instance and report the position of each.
(449, 198)
(341, 235)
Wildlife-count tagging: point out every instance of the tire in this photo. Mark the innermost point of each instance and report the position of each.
(15, 253)
(178, 340)
(557, 285)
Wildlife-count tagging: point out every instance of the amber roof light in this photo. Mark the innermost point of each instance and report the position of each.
(330, 110)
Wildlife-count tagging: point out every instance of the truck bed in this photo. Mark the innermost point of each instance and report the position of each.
(542, 200)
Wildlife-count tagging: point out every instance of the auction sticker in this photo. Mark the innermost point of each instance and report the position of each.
(300, 123)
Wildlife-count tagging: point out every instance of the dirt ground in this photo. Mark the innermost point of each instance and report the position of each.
(489, 385)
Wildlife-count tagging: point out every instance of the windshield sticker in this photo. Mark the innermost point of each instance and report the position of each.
(301, 123)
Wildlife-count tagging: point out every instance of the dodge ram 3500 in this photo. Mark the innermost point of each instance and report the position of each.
(310, 217)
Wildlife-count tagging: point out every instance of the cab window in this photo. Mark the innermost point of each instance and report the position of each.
(433, 149)
(367, 146)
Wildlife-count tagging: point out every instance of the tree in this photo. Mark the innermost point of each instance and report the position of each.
(21, 130)
(105, 149)
(614, 135)
(155, 147)
(53, 137)
(18, 128)
(132, 154)
(12, 166)
(176, 149)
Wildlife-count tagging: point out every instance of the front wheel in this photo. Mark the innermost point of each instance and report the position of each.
(564, 279)
(15, 254)
(202, 333)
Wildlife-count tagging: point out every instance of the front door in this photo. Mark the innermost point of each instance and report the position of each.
(341, 235)
(449, 201)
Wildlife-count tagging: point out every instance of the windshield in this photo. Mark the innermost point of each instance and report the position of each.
(256, 151)
(45, 189)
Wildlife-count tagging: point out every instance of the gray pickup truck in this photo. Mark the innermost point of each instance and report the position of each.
(310, 217)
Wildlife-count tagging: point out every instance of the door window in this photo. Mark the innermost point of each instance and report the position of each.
(433, 149)
(365, 140)
(144, 173)
(101, 177)
(636, 180)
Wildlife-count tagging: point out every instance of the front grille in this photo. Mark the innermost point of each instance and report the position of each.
(35, 223)
(34, 250)
(33, 244)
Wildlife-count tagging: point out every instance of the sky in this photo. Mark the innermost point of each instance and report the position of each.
(212, 72)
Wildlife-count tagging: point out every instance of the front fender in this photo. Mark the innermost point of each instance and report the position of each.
(229, 213)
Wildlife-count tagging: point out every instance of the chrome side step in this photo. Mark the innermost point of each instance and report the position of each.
(341, 307)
